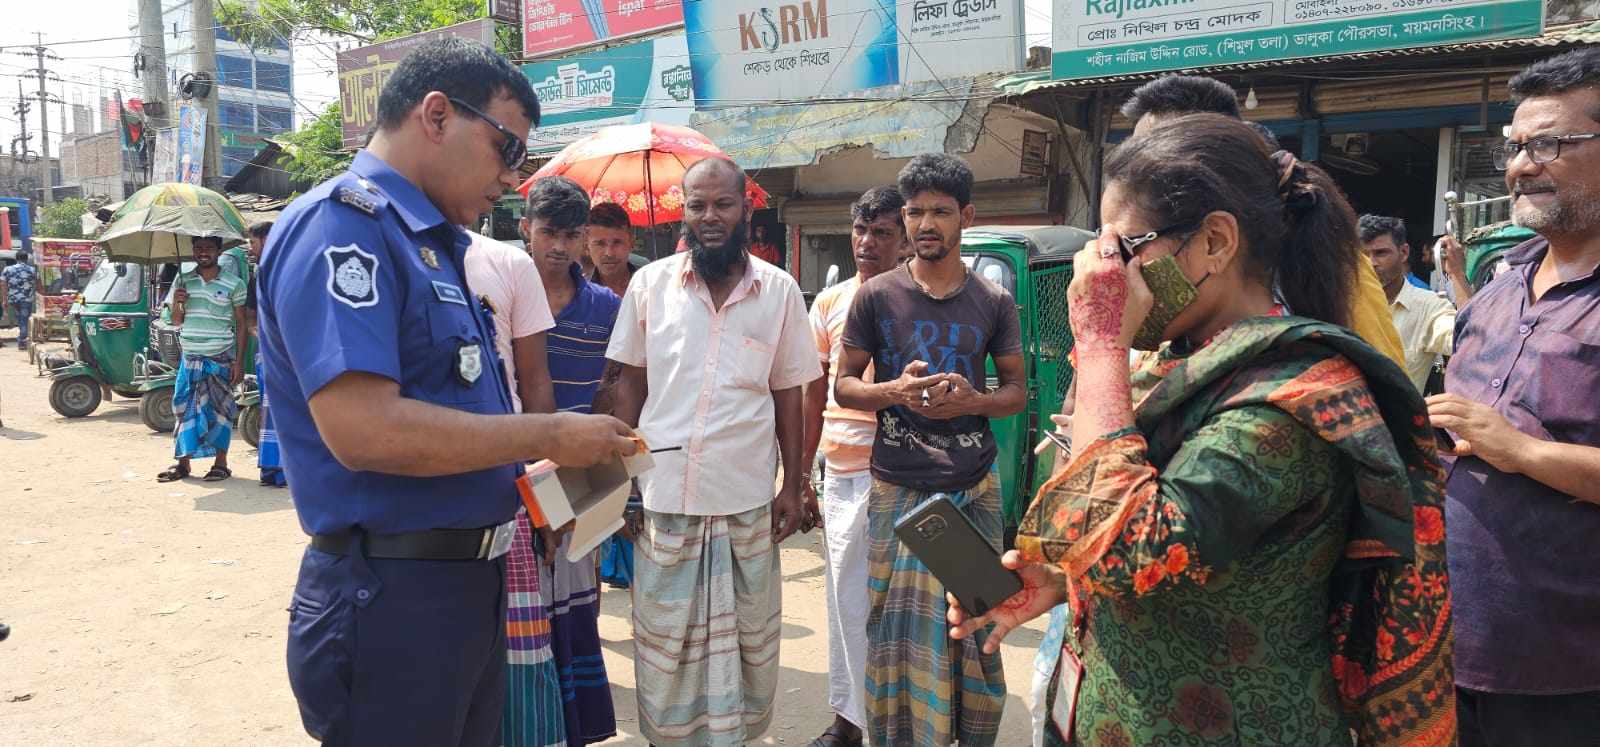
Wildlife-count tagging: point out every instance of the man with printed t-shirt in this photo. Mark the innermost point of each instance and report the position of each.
(927, 328)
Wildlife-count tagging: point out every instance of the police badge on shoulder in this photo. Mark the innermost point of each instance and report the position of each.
(352, 275)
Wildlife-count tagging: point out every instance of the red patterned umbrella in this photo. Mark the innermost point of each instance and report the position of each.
(639, 167)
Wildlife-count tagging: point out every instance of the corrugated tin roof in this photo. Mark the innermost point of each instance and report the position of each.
(1585, 32)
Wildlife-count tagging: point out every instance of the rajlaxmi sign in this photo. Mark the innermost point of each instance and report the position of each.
(1099, 38)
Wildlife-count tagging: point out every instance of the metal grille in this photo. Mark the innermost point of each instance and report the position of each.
(1055, 334)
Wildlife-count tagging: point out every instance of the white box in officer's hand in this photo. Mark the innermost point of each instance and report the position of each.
(593, 496)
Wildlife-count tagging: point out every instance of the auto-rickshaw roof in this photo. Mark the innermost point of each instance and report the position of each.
(1046, 244)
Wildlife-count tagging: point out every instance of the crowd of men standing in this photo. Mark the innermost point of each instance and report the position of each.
(413, 366)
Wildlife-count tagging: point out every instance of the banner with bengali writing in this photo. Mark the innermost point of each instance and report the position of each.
(646, 81)
(363, 71)
(1099, 38)
(747, 52)
(550, 26)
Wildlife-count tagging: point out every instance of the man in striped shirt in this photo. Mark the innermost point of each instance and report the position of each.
(208, 310)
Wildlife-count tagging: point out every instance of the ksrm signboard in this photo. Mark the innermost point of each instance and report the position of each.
(747, 52)
(1098, 38)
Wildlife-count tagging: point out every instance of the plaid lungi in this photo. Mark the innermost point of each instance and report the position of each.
(534, 714)
(924, 689)
(202, 402)
(707, 618)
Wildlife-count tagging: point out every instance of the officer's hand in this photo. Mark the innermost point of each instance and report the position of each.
(587, 440)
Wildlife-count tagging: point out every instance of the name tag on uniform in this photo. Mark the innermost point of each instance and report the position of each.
(449, 293)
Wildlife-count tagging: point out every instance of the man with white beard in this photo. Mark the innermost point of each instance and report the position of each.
(1521, 508)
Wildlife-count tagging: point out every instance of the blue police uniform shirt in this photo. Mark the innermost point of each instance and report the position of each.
(364, 274)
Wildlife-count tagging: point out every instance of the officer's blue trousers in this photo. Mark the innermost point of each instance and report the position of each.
(399, 652)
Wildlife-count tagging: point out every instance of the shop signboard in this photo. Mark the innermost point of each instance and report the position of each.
(646, 81)
(363, 71)
(1099, 38)
(551, 26)
(749, 51)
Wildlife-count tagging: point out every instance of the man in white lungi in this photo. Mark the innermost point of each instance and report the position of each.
(714, 349)
(844, 437)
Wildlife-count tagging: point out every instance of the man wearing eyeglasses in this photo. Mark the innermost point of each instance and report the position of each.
(394, 416)
(1524, 481)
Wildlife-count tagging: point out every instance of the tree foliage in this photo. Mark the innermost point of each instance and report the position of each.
(312, 153)
(363, 20)
(314, 150)
(62, 219)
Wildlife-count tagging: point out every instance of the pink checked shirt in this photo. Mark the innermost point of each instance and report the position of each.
(711, 376)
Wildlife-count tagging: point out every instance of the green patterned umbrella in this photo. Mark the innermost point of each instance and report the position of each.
(157, 222)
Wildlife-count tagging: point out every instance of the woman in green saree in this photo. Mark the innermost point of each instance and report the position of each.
(1248, 537)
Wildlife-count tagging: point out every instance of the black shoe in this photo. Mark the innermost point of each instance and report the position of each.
(5, 631)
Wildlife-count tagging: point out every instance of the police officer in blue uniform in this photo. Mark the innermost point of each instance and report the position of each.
(394, 416)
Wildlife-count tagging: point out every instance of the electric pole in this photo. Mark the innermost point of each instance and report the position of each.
(205, 51)
(152, 64)
(41, 53)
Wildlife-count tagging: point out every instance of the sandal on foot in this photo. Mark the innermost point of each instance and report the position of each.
(173, 474)
(833, 736)
(218, 474)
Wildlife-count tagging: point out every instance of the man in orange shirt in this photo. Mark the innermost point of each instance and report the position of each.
(878, 236)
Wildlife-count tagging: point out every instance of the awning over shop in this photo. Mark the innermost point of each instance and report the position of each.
(896, 121)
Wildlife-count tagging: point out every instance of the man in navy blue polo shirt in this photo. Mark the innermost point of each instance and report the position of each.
(394, 416)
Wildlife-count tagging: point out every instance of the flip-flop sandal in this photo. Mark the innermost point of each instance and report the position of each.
(173, 474)
(833, 738)
(218, 474)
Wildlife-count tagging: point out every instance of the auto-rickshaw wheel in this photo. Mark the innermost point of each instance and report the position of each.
(75, 397)
(155, 409)
(250, 425)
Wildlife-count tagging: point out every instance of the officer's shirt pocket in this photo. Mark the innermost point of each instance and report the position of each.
(458, 354)
(748, 363)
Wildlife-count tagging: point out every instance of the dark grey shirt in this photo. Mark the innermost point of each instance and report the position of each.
(1524, 583)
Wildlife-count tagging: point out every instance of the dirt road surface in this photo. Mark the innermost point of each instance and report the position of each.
(144, 613)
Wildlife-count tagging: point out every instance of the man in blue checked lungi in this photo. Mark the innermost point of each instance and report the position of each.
(208, 309)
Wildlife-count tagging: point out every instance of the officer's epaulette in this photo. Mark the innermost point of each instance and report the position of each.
(361, 194)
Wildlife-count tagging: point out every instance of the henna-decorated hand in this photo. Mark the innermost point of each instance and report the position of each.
(1043, 587)
(1108, 299)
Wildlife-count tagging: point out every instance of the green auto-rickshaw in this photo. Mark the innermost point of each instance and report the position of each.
(1034, 265)
(137, 354)
(114, 346)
